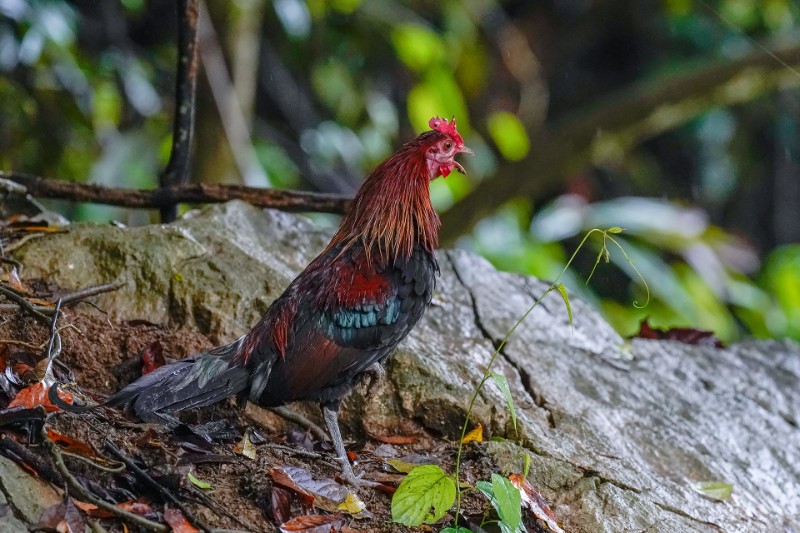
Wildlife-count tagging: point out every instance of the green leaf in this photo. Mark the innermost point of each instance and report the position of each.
(615, 229)
(417, 46)
(509, 136)
(438, 94)
(486, 488)
(425, 495)
(502, 384)
(716, 490)
(508, 503)
(199, 483)
(456, 530)
(527, 468)
(506, 500)
(562, 290)
(401, 466)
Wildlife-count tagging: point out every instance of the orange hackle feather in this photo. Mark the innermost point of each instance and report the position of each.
(392, 211)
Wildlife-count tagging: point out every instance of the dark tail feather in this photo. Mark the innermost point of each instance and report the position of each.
(198, 381)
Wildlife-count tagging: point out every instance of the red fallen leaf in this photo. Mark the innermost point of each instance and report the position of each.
(384, 488)
(697, 337)
(281, 500)
(71, 445)
(178, 522)
(395, 439)
(533, 500)
(36, 395)
(152, 357)
(314, 524)
(352, 456)
(63, 517)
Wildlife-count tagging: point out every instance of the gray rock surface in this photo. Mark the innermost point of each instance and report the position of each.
(616, 431)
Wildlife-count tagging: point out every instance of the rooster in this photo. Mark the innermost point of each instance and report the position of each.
(341, 318)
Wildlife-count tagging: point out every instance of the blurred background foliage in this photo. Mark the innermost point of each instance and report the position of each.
(676, 120)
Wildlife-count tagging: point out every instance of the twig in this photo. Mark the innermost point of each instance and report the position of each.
(74, 485)
(177, 170)
(113, 470)
(155, 485)
(55, 341)
(293, 451)
(301, 420)
(294, 201)
(16, 451)
(67, 299)
(24, 304)
(91, 291)
(626, 118)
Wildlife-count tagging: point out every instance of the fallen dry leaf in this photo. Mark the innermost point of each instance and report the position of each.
(476, 435)
(178, 522)
(15, 282)
(281, 500)
(64, 517)
(314, 524)
(71, 445)
(698, 337)
(245, 447)
(533, 501)
(36, 395)
(326, 493)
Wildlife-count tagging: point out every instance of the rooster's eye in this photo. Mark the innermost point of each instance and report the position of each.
(448, 145)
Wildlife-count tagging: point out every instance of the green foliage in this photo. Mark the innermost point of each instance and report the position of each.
(509, 135)
(424, 496)
(502, 384)
(714, 490)
(506, 500)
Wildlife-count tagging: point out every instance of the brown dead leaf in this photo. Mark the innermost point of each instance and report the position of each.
(698, 337)
(326, 493)
(314, 524)
(15, 282)
(36, 395)
(281, 500)
(245, 447)
(178, 522)
(533, 501)
(63, 517)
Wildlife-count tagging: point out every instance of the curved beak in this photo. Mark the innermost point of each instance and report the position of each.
(462, 150)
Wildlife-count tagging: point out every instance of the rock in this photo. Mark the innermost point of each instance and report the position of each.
(617, 431)
(25, 496)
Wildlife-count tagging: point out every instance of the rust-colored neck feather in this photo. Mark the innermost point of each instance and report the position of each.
(392, 210)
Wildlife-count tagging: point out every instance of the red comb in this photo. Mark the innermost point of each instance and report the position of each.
(448, 128)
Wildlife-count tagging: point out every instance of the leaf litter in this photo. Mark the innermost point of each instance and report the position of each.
(214, 450)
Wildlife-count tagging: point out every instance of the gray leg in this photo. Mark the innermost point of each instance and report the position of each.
(332, 420)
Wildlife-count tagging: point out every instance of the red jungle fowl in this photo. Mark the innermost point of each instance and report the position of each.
(341, 317)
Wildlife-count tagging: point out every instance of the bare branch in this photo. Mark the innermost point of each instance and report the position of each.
(177, 170)
(620, 122)
(191, 194)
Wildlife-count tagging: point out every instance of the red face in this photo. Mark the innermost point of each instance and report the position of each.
(440, 157)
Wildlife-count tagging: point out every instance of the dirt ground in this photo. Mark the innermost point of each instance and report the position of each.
(104, 356)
